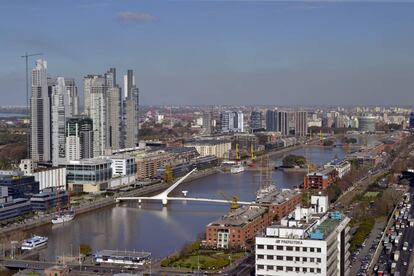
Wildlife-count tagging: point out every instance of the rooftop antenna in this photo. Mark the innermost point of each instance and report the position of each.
(26, 57)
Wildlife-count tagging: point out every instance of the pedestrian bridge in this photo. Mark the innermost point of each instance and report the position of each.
(164, 198)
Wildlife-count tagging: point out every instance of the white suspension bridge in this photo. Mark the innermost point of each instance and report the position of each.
(164, 198)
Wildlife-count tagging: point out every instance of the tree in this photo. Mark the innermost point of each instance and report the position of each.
(85, 249)
(294, 160)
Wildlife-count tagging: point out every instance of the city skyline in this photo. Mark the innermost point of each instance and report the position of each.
(221, 52)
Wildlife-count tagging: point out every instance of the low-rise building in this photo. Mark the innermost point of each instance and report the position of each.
(342, 167)
(50, 177)
(149, 163)
(217, 147)
(11, 208)
(309, 241)
(320, 180)
(49, 198)
(239, 227)
(89, 175)
(19, 185)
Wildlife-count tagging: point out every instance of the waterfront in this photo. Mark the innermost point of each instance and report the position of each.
(164, 230)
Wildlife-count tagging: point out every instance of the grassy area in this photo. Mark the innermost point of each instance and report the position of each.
(205, 260)
(193, 257)
(371, 195)
(364, 229)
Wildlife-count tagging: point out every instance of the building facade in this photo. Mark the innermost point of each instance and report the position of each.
(218, 148)
(310, 241)
(89, 175)
(131, 110)
(18, 185)
(231, 121)
(301, 123)
(321, 179)
(256, 120)
(40, 146)
(79, 138)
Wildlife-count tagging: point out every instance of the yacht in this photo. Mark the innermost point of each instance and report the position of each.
(34, 242)
(264, 191)
(63, 217)
(237, 168)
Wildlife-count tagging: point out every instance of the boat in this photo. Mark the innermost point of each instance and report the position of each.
(34, 242)
(63, 217)
(237, 169)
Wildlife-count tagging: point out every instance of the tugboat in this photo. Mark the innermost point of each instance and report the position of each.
(238, 168)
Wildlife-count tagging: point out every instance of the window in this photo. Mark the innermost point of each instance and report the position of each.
(305, 259)
(311, 269)
(280, 258)
(318, 250)
(260, 246)
(289, 268)
(318, 260)
(280, 268)
(269, 257)
(260, 266)
(311, 260)
(289, 248)
(305, 269)
(279, 247)
(297, 248)
(270, 247)
(305, 249)
(297, 259)
(289, 258)
(318, 270)
(260, 256)
(312, 249)
(270, 267)
(297, 269)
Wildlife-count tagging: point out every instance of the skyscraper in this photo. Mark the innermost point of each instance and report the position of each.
(301, 123)
(114, 117)
(95, 89)
(60, 112)
(40, 114)
(131, 110)
(207, 123)
(271, 120)
(231, 121)
(283, 122)
(72, 91)
(256, 120)
(79, 138)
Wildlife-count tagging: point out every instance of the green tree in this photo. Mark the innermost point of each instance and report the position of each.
(85, 249)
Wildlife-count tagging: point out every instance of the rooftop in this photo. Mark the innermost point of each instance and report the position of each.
(240, 216)
(277, 196)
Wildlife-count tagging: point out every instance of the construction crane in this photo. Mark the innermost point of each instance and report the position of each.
(252, 156)
(234, 200)
(237, 157)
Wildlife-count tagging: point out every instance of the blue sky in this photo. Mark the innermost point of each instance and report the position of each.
(220, 52)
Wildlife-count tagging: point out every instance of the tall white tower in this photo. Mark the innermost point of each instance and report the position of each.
(40, 147)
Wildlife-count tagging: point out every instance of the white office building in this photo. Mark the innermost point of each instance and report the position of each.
(231, 121)
(309, 241)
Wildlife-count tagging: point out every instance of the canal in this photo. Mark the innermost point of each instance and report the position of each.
(159, 230)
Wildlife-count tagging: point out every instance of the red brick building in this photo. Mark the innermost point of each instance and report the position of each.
(320, 180)
(239, 228)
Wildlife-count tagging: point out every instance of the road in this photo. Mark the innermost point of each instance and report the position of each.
(366, 250)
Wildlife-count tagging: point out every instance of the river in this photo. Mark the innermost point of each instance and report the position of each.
(159, 230)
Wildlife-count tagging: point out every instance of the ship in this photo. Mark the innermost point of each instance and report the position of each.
(34, 242)
(266, 181)
(64, 216)
(237, 168)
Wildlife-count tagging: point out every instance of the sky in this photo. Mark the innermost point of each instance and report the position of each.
(211, 52)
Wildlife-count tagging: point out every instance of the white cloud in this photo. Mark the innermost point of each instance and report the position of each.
(128, 16)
